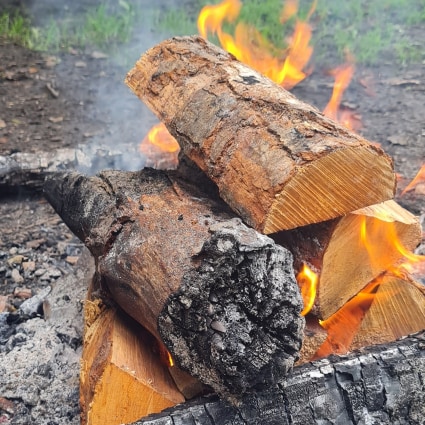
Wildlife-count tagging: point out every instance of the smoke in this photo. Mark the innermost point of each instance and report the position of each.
(117, 119)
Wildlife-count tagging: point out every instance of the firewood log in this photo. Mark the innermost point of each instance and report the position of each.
(379, 385)
(277, 161)
(344, 262)
(222, 297)
(122, 378)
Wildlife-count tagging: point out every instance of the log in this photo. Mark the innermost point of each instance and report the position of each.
(222, 297)
(277, 161)
(344, 262)
(121, 378)
(378, 385)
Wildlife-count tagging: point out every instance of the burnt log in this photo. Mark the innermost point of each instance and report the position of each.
(382, 385)
(222, 297)
(277, 161)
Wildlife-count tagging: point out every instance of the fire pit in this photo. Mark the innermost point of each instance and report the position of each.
(110, 225)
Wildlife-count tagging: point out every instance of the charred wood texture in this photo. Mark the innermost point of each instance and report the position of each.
(277, 161)
(222, 297)
(382, 385)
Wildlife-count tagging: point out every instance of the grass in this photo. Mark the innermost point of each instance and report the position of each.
(100, 27)
(368, 29)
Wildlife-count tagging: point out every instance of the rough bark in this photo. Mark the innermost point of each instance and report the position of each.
(381, 385)
(222, 297)
(278, 162)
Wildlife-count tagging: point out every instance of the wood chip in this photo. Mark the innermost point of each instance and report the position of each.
(55, 119)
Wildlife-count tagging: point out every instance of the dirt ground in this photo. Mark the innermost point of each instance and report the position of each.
(78, 99)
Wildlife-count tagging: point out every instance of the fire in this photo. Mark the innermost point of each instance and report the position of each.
(343, 325)
(385, 242)
(307, 280)
(159, 136)
(343, 75)
(418, 179)
(160, 147)
(284, 66)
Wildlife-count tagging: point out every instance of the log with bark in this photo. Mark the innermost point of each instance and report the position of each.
(222, 297)
(277, 161)
(382, 385)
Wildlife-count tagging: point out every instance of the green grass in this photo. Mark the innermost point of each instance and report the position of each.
(100, 27)
(368, 29)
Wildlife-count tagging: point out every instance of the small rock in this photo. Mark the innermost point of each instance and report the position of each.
(3, 303)
(39, 272)
(16, 259)
(32, 306)
(16, 277)
(35, 243)
(218, 326)
(55, 273)
(28, 266)
(7, 405)
(99, 55)
(2, 124)
(22, 293)
(13, 250)
(71, 259)
(80, 64)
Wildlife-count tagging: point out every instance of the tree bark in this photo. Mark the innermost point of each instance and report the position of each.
(278, 162)
(222, 297)
(379, 385)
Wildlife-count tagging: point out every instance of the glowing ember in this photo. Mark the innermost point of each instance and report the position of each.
(343, 75)
(307, 281)
(170, 359)
(284, 66)
(419, 179)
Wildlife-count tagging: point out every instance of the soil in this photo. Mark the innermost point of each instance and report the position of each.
(78, 99)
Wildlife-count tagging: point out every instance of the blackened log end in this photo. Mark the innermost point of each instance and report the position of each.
(235, 322)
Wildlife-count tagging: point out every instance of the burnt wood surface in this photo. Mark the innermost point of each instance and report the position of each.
(381, 385)
(222, 297)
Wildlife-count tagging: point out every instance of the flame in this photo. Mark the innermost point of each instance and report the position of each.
(343, 75)
(159, 136)
(170, 359)
(343, 325)
(160, 148)
(418, 179)
(284, 66)
(307, 280)
(380, 254)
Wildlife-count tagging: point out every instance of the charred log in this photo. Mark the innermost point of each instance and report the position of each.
(222, 297)
(379, 385)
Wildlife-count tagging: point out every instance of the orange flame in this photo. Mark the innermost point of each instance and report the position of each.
(343, 75)
(418, 179)
(342, 326)
(372, 230)
(285, 67)
(159, 136)
(307, 280)
(160, 148)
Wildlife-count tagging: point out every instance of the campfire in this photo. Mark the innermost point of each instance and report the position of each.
(190, 296)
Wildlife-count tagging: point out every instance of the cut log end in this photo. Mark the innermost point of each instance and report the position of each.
(236, 319)
(360, 176)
